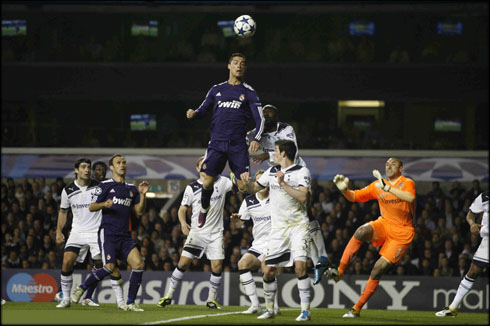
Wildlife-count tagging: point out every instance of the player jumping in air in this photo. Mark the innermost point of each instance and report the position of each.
(233, 103)
(393, 230)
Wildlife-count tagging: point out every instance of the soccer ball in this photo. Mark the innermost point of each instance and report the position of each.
(245, 26)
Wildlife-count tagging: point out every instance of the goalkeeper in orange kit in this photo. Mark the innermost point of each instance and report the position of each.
(393, 230)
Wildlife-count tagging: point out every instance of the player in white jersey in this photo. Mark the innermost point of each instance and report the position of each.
(289, 238)
(207, 239)
(256, 208)
(77, 196)
(480, 258)
(273, 131)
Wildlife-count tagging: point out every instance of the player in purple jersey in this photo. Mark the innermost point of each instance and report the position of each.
(233, 103)
(117, 198)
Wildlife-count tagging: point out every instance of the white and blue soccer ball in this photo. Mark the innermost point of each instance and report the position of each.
(244, 26)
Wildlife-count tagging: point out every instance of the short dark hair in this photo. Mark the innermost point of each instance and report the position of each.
(287, 146)
(80, 161)
(94, 166)
(111, 161)
(237, 54)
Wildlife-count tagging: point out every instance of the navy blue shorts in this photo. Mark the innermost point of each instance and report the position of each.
(234, 152)
(114, 247)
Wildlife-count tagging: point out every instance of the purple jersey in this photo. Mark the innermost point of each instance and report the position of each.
(115, 220)
(233, 106)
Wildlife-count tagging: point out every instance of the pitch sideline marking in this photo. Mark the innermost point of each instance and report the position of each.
(199, 316)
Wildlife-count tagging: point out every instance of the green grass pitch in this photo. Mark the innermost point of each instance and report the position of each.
(47, 313)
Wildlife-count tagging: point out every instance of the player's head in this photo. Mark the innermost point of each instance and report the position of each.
(117, 164)
(270, 116)
(284, 149)
(393, 167)
(237, 64)
(82, 168)
(99, 170)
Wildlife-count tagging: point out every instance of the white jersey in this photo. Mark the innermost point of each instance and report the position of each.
(78, 198)
(268, 141)
(214, 218)
(259, 211)
(480, 205)
(286, 211)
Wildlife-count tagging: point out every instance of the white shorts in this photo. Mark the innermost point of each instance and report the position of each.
(481, 253)
(84, 241)
(288, 244)
(258, 248)
(197, 244)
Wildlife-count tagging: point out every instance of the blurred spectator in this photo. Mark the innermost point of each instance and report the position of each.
(409, 268)
(445, 269)
(462, 266)
(13, 260)
(474, 191)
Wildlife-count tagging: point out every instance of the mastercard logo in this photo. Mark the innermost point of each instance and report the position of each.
(41, 287)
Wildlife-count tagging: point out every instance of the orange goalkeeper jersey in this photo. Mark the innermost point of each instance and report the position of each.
(395, 210)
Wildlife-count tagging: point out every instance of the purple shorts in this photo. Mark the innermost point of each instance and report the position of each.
(114, 247)
(235, 152)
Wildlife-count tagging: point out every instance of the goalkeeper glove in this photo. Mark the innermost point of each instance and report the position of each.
(381, 184)
(341, 182)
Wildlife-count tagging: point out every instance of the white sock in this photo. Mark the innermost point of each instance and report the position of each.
(250, 287)
(175, 280)
(270, 290)
(317, 248)
(118, 289)
(304, 293)
(66, 284)
(215, 282)
(464, 287)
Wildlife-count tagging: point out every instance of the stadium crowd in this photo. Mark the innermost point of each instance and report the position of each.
(443, 244)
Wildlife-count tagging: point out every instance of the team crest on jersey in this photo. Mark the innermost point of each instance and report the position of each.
(98, 191)
(241, 97)
(203, 167)
(130, 194)
(108, 257)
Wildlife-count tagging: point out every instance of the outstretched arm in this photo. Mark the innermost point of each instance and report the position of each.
(342, 184)
(250, 187)
(139, 208)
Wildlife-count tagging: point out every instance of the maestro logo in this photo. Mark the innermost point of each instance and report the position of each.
(41, 287)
